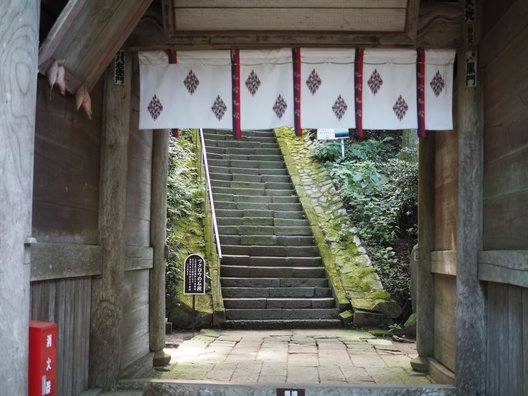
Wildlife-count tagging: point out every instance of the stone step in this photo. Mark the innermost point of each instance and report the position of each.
(288, 324)
(273, 251)
(245, 164)
(255, 198)
(254, 178)
(284, 303)
(246, 133)
(246, 157)
(257, 192)
(273, 282)
(262, 206)
(261, 138)
(242, 150)
(240, 144)
(264, 230)
(255, 186)
(266, 261)
(267, 240)
(261, 221)
(261, 213)
(242, 271)
(215, 170)
(275, 292)
(278, 313)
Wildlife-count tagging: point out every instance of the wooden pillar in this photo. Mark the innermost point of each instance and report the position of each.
(158, 235)
(107, 311)
(426, 227)
(19, 23)
(470, 373)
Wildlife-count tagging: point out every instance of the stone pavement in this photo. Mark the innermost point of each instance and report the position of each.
(326, 357)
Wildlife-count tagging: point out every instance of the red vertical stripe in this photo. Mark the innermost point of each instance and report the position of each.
(173, 59)
(296, 56)
(420, 95)
(235, 82)
(359, 90)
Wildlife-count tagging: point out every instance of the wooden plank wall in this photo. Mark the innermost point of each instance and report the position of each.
(444, 257)
(66, 181)
(65, 211)
(66, 302)
(505, 218)
(135, 330)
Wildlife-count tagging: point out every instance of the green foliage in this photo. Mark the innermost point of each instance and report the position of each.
(380, 191)
(185, 198)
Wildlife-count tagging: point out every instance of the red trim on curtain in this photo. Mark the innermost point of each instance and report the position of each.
(420, 95)
(235, 83)
(173, 59)
(296, 57)
(359, 90)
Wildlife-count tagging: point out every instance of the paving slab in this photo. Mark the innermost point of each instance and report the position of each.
(311, 356)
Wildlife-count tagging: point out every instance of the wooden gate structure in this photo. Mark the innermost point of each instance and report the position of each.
(82, 202)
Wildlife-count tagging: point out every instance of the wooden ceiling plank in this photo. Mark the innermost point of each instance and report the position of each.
(301, 19)
(290, 3)
(59, 30)
(413, 13)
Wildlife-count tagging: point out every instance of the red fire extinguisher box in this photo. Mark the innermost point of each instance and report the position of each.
(42, 358)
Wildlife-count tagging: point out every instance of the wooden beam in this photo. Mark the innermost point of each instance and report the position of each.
(138, 258)
(64, 260)
(412, 19)
(19, 23)
(440, 25)
(288, 4)
(504, 266)
(106, 317)
(426, 227)
(158, 236)
(471, 301)
(443, 262)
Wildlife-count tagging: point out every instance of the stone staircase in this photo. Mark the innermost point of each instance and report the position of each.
(271, 272)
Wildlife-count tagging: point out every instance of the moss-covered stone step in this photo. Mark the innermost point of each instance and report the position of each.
(283, 207)
(215, 170)
(254, 178)
(273, 303)
(261, 212)
(247, 138)
(283, 324)
(284, 314)
(255, 198)
(276, 292)
(261, 221)
(273, 282)
(245, 133)
(273, 251)
(244, 164)
(265, 230)
(242, 150)
(267, 240)
(267, 261)
(271, 272)
(288, 192)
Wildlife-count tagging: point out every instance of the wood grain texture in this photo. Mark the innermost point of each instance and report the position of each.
(288, 4)
(19, 23)
(135, 324)
(88, 34)
(66, 302)
(66, 188)
(439, 25)
(504, 266)
(107, 309)
(471, 301)
(443, 262)
(507, 348)
(158, 237)
(445, 320)
(426, 230)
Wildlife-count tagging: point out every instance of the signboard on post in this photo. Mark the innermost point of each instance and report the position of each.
(194, 275)
(332, 134)
(42, 371)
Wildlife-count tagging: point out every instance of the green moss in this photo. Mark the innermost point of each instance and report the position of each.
(352, 278)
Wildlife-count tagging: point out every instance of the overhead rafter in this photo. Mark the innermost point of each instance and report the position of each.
(87, 35)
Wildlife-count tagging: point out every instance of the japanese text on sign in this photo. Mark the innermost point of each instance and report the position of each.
(194, 275)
